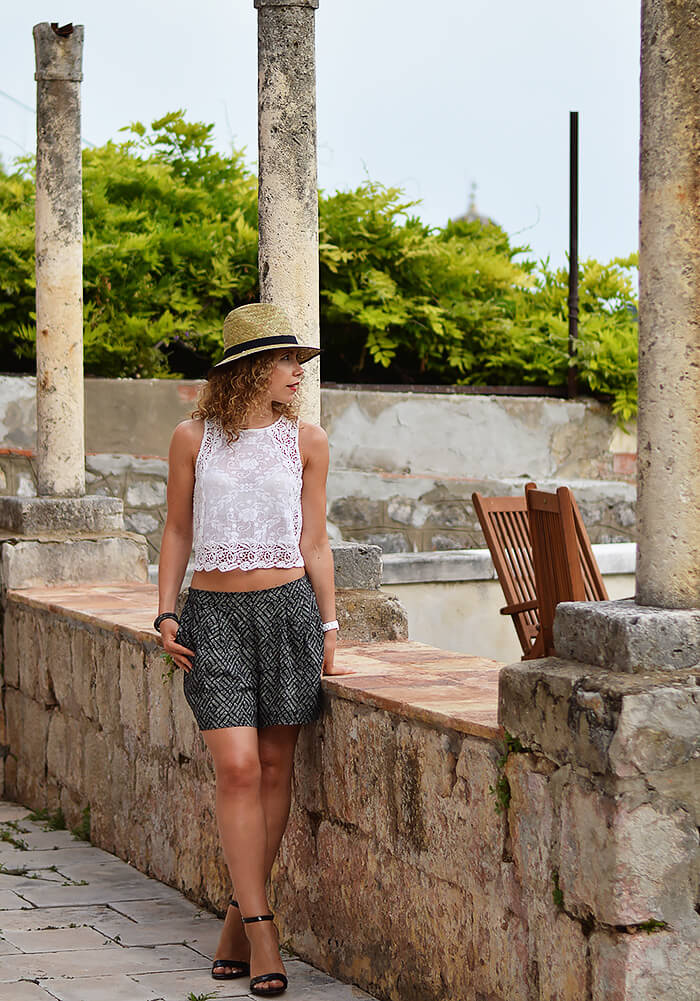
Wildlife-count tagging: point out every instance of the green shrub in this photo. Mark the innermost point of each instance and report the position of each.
(171, 246)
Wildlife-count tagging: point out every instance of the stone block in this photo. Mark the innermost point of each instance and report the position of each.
(657, 729)
(366, 616)
(357, 566)
(626, 636)
(645, 966)
(107, 681)
(559, 707)
(132, 688)
(10, 645)
(158, 687)
(148, 492)
(560, 952)
(624, 862)
(34, 563)
(356, 512)
(499, 950)
(141, 522)
(60, 514)
(84, 670)
(60, 668)
(532, 824)
(388, 542)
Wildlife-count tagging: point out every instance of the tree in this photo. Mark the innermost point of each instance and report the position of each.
(171, 246)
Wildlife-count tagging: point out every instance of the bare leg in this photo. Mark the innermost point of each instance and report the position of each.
(253, 782)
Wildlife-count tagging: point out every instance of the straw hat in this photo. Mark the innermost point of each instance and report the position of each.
(260, 326)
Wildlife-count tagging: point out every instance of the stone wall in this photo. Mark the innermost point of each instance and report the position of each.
(421, 861)
(408, 514)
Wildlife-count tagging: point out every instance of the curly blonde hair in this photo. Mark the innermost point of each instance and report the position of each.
(232, 390)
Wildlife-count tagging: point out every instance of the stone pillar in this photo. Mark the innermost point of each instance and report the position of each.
(59, 262)
(288, 189)
(668, 507)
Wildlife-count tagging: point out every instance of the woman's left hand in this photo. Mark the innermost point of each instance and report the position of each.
(330, 640)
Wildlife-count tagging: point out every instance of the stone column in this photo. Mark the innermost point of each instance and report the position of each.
(59, 262)
(668, 508)
(288, 189)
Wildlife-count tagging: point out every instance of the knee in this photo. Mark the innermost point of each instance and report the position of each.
(238, 773)
(275, 768)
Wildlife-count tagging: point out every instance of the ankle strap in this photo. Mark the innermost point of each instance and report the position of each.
(258, 917)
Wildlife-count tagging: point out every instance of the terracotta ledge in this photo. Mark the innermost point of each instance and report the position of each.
(410, 679)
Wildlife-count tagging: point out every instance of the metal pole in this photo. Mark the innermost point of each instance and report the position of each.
(572, 373)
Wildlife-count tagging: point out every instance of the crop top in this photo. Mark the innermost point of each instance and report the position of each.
(247, 498)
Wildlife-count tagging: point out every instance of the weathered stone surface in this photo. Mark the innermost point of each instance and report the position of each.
(30, 563)
(141, 522)
(560, 947)
(146, 493)
(370, 616)
(58, 229)
(357, 566)
(532, 823)
(657, 966)
(657, 730)
(629, 636)
(60, 514)
(388, 542)
(594, 718)
(624, 862)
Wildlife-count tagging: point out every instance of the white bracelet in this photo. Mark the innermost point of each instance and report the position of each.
(330, 625)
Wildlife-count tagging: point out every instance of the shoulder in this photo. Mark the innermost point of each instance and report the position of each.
(187, 437)
(313, 442)
(312, 438)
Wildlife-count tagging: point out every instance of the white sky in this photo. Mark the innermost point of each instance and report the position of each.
(428, 96)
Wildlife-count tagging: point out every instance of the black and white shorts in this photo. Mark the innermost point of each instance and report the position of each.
(258, 656)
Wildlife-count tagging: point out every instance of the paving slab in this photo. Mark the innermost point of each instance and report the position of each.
(7, 948)
(114, 987)
(176, 986)
(201, 934)
(98, 962)
(9, 900)
(159, 910)
(57, 940)
(47, 857)
(24, 990)
(95, 892)
(12, 811)
(35, 918)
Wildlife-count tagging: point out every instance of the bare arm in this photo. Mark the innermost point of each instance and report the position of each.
(314, 544)
(177, 534)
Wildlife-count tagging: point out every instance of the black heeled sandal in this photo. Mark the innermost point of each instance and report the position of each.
(265, 978)
(241, 968)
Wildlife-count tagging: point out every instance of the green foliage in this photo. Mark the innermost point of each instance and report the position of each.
(82, 831)
(650, 926)
(171, 246)
(52, 821)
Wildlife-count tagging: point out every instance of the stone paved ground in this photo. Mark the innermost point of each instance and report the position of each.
(79, 924)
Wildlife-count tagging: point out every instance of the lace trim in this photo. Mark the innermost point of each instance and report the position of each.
(247, 557)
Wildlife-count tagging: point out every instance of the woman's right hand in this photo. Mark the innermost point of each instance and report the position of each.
(180, 654)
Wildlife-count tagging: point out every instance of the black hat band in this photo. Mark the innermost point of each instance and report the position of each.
(261, 342)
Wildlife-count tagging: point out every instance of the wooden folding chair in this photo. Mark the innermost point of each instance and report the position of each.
(505, 527)
(505, 524)
(563, 561)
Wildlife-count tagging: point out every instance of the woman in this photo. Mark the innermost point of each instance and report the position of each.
(247, 484)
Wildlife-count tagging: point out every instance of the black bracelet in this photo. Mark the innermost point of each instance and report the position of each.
(164, 615)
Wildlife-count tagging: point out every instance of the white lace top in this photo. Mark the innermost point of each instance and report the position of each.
(247, 498)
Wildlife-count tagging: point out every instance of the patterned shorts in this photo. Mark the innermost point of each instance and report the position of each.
(257, 656)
